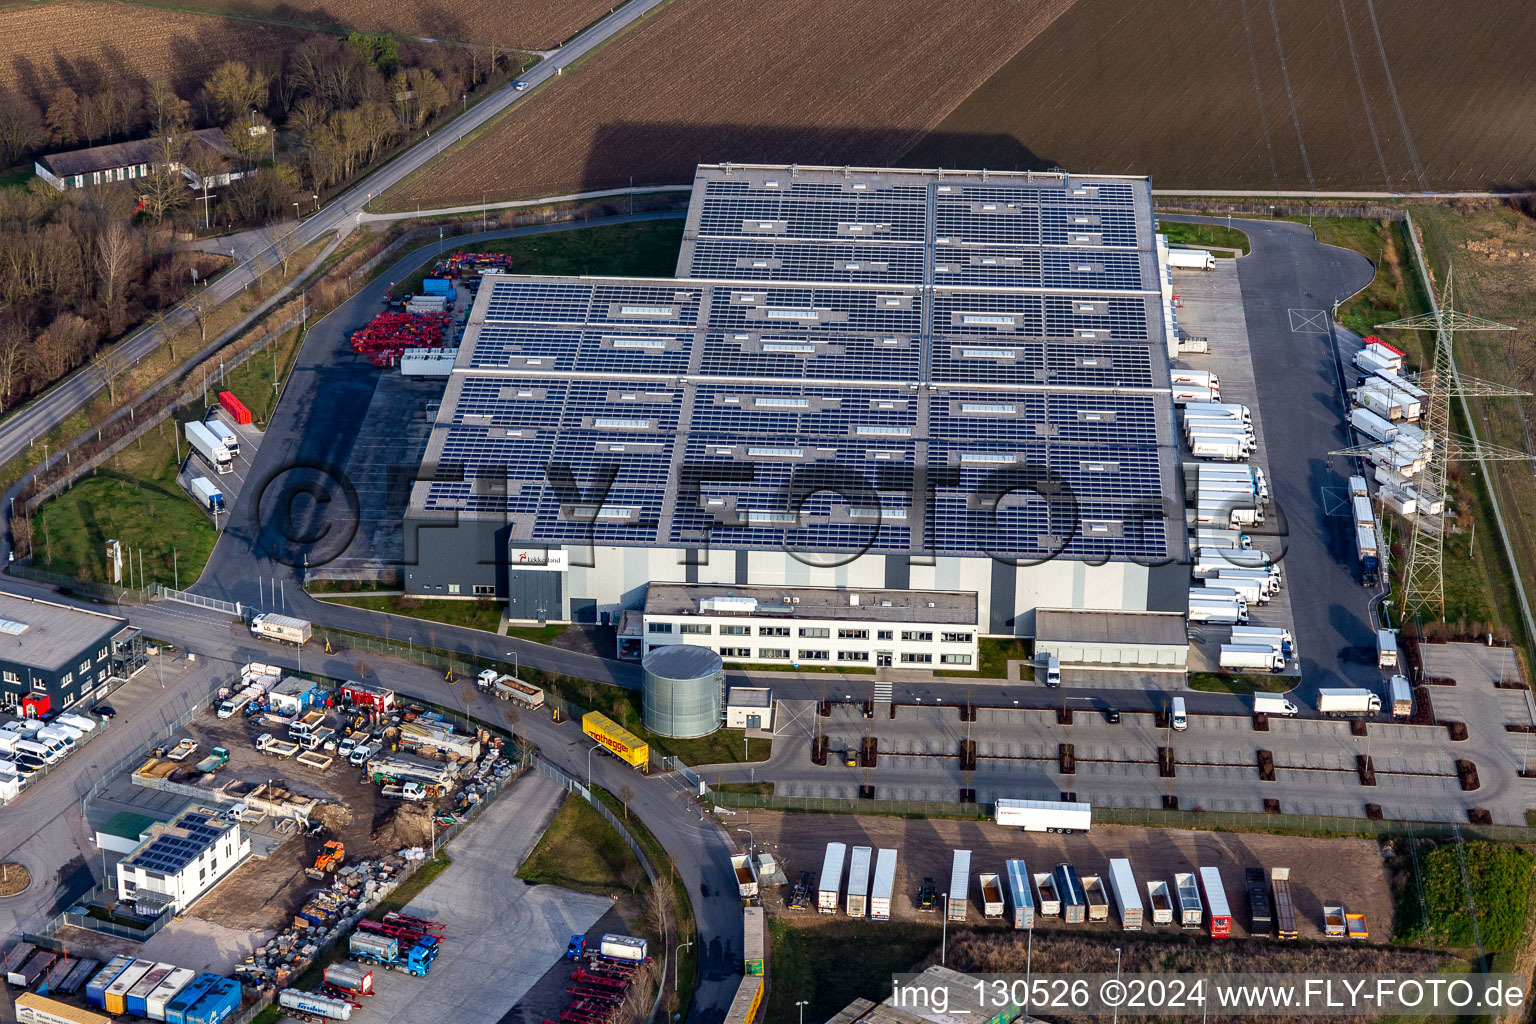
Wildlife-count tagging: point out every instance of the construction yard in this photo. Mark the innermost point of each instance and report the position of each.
(1352, 872)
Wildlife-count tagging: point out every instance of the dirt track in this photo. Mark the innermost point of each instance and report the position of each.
(1348, 871)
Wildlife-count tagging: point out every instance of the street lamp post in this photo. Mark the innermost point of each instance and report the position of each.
(1116, 1017)
(595, 746)
(677, 957)
(751, 841)
(944, 933)
(799, 1002)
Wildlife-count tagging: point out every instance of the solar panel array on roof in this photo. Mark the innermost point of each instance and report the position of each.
(850, 359)
(189, 835)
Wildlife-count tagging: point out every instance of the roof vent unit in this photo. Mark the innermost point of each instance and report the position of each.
(12, 627)
(731, 605)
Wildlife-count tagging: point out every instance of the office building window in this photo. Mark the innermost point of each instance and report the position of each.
(885, 634)
(916, 635)
(453, 588)
(658, 627)
(773, 631)
(909, 658)
(735, 652)
(955, 659)
(955, 638)
(813, 656)
(733, 630)
(852, 655)
(815, 632)
(485, 590)
(773, 653)
(695, 628)
(853, 634)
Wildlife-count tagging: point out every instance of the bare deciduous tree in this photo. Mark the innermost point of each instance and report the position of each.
(199, 305)
(626, 794)
(117, 255)
(13, 357)
(108, 366)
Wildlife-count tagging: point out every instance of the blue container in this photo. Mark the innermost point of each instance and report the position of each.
(220, 1002)
(437, 286)
(176, 1009)
(96, 988)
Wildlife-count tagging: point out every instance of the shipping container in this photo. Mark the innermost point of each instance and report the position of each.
(96, 988)
(137, 999)
(219, 1003)
(1218, 913)
(753, 939)
(959, 897)
(1122, 882)
(830, 885)
(1020, 899)
(117, 992)
(236, 408)
(1074, 904)
(1187, 890)
(623, 947)
(176, 1009)
(156, 1002)
(1047, 897)
(32, 1008)
(622, 743)
(858, 880)
(884, 886)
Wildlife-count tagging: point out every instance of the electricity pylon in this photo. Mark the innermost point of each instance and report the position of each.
(1424, 574)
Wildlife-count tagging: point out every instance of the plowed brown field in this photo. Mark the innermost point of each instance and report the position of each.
(792, 80)
(1249, 94)
(523, 24)
(82, 44)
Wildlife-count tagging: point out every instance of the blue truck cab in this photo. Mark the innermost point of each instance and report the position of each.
(421, 957)
(576, 947)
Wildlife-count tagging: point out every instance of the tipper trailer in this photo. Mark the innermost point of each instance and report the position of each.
(1048, 897)
(1160, 902)
(1020, 899)
(1096, 897)
(991, 895)
(1187, 889)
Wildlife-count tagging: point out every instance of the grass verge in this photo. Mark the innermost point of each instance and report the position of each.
(995, 652)
(484, 614)
(803, 957)
(539, 634)
(643, 249)
(580, 850)
(1220, 682)
(1180, 233)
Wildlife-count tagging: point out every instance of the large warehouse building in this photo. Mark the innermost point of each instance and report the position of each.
(860, 378)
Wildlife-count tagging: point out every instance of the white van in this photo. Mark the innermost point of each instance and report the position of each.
(1052, 670)
(1178, 718)
(54, 734)
(41, 751)
(1274, 704)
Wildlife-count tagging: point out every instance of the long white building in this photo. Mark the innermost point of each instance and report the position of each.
(860, 379)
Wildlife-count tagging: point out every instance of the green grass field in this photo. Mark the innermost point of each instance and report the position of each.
(580, 850)
(643, 249)
(1205, 234)
(470, 614)
(1220, 682)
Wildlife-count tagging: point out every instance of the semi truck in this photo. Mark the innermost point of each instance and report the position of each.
(1402, 696)
(1243, 658)
(208, 494)
(627, 948)
(1285, 906)
(1370, 555)
(1386, 648)
(1191, 910)
(1375, 427)
(282, 628)
(1044, 815)
(1217, 611)
(507, 687)
(959, 887)
(622, 743)
(1160, 902)
(1182, 375)
(1097, 898)
(1184, 394)
(1122, 883)
(746, 876)
(1218, 913)
(1224, 539)
(883, 887)
(385, 951)
(830, 884)
(1021, 900)
(1206, 447)
(1074, 905)
(991, 895)
(1277, 637)
(202, 441)
(858, 881)
(224, 433)
(1047, 896)
(1348, 701)
(1191, 259)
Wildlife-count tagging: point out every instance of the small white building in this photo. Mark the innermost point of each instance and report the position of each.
(181, 860)
(1135, 641)
(749, 707)
(793, 626)
(287, 697)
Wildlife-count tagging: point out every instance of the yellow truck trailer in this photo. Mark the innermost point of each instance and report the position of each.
(625, 745)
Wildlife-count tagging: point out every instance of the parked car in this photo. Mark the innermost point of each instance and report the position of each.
(104, 711)
(1111, 714)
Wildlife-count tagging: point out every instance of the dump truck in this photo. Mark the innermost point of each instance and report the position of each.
(508, 687)
(216, 759)
(1285, 907)
(959, 897)
(1021, 901)
(1218, 913)
(1074, 904)
(830, 885)
(1096, 897)
(991, 894)
(1122, 883)
(746, 876)
(1160, 902)
(858, 881)
(269, 744)
(1333, 921)
(883, 887)
(1047, 896)
(1187, 889)
(282, 628)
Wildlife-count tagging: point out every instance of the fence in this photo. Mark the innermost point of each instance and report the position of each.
(108, 592)
(1278, 208)
(573, 786)
(1152, 817)
(164, 593)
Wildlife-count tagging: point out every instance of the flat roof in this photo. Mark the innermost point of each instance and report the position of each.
(128, 825)
(851, 337)
(56, 634)
(749, 697)
(1071, 625)
(180, 841)
(851, 604)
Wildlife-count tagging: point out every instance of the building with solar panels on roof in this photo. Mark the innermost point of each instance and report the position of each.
(179, 861)
(896, 380)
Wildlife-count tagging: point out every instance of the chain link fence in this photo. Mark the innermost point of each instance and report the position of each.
(1277, 209)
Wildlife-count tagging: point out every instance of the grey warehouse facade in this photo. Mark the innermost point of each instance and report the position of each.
(52, 655)
(860, 378)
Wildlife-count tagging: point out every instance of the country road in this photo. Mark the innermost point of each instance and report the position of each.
(341, 215)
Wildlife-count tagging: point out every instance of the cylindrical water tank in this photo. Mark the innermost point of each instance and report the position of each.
(684, 695)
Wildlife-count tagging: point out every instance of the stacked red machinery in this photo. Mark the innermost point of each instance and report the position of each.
(597, 991)
(389, 335)
(468, 264)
